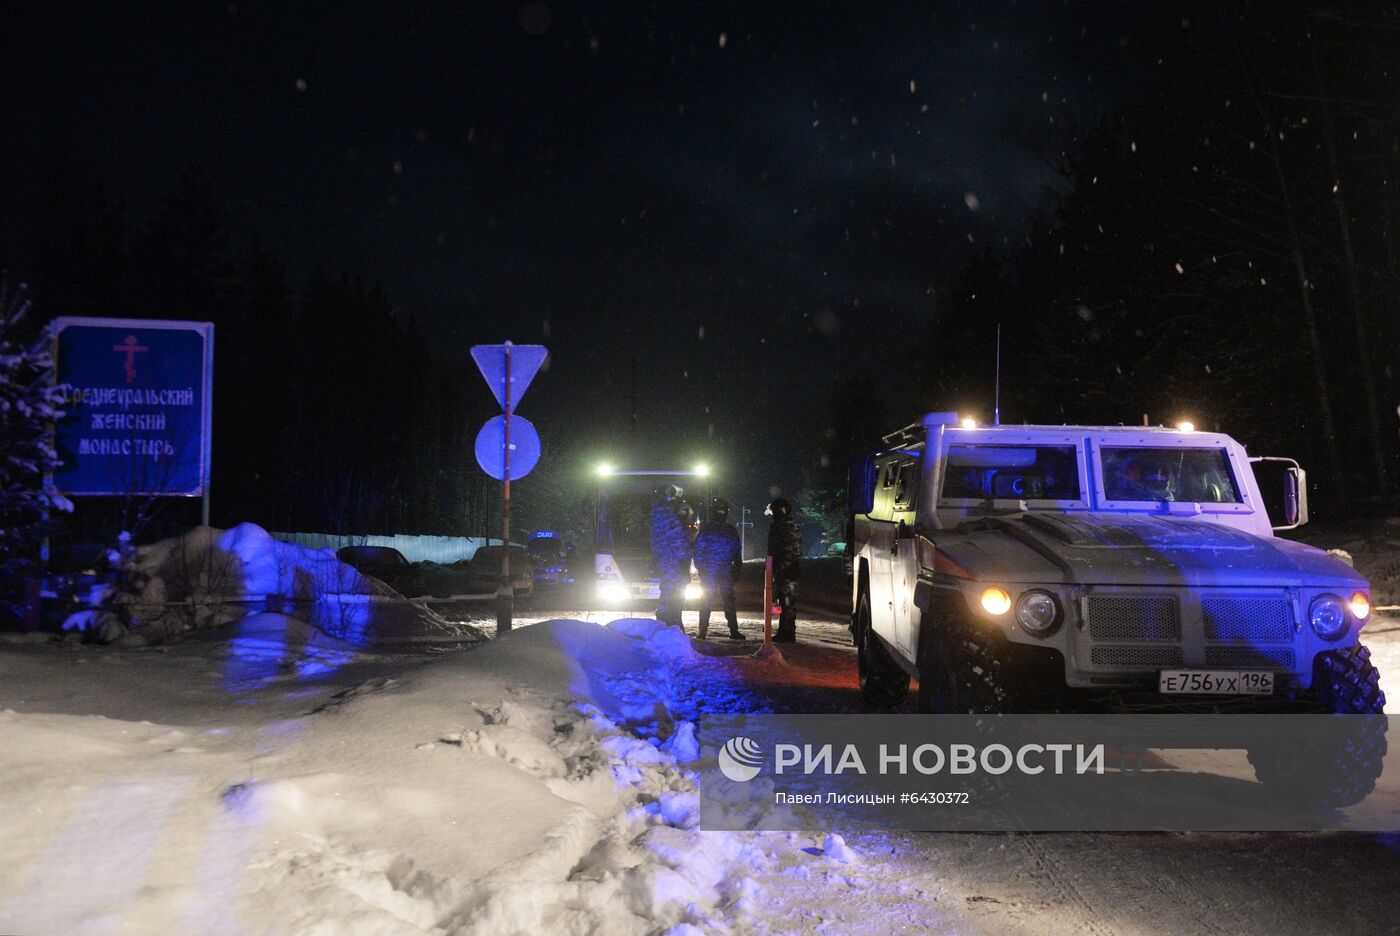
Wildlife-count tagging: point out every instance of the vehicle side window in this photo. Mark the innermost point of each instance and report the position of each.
(888, 476)
(906, 486)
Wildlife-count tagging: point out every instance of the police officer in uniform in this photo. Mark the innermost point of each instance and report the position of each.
(785, 546)
(717, 560)
(670, 547)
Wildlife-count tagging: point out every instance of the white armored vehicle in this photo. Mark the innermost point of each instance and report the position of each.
(1039, 568)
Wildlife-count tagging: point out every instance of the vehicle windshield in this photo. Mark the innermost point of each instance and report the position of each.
(1200, 475)
(1015, 472)
(546, 549)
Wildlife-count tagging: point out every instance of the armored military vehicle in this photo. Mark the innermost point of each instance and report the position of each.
(1053, 568)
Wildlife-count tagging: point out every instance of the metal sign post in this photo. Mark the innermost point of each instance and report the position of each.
(505, 594)
(768, 601)
(508, 445)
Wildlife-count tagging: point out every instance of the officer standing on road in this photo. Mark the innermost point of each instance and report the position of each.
(717, 561)
(785, 546)
(670, 547)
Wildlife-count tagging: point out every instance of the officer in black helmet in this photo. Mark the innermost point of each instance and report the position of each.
(717, 561)
(785, 546)
(670, 547)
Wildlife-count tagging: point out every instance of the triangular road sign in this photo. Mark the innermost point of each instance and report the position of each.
(525, 361)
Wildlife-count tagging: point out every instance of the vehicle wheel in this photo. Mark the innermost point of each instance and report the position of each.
(961, 673)
(1347, 683)
(1343, 771)
(882, 683)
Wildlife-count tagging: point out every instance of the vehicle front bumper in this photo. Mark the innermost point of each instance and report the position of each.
(1113, 636)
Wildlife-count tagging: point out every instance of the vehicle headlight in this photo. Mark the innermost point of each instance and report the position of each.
(1038, 612)
(1360, 606)
(692, 592)
(996, 601)
(1328, 617)
(612, 591)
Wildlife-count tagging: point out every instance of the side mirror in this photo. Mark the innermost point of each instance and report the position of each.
(1295, 489)
(861, 486)
(1295, 498)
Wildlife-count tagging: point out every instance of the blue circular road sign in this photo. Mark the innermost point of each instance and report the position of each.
(524, 448)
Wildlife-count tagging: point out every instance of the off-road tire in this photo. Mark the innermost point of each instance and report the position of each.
(961, 672)
(882, 683)
(1345, 683)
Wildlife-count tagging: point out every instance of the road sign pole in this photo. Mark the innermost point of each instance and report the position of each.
(768, 602)
(504, 366)
(505, 594)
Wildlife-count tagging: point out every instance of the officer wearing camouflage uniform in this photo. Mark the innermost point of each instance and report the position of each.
(670, 547)
(785, 546)
(717, 561)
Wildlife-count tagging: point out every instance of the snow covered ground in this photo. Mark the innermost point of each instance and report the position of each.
(266, 778)
(272, 779)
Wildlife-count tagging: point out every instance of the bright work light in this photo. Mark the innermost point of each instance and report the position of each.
(603, 470)
(1186, 426)
(969, 423)
(612, 592)
(702, 470)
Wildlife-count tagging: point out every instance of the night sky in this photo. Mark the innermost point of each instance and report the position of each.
(750, 199)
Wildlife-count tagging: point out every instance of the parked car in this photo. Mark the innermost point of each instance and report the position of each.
(388, 565)
(484, 571)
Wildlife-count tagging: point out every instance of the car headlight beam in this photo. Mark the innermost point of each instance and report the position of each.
(693, 592)
(1360, 606)
(612, 591)
(995, 601)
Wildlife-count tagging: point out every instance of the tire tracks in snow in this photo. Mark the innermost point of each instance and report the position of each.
(1101, 894)
(1060, 881)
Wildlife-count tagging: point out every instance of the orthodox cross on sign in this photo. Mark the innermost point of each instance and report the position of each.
(130, 348)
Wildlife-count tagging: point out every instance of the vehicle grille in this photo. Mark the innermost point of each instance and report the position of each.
(1263, 657)
(1135, 656)
(1136, 617)
(1246, 619)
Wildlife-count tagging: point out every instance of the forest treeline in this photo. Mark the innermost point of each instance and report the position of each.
(330, 412)
(1227, 252)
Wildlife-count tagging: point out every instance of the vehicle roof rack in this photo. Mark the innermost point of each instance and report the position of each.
(914, 432)
(918, 432)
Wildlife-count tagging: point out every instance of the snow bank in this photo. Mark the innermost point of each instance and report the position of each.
(538, 783)
(210, 577)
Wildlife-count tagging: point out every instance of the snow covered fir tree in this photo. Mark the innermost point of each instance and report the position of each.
(30, 402)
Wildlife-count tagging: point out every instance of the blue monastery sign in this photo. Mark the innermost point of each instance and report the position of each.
(139, 414)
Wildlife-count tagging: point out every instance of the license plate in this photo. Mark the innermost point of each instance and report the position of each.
(1215, 682)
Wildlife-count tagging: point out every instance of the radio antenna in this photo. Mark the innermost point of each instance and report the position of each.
(996, 398)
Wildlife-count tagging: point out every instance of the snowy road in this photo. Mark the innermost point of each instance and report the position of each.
(269, 779)
(1201, 883)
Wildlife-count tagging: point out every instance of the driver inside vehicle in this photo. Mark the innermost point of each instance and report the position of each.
(1143, 479)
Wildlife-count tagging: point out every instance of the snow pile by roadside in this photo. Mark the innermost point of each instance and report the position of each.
(540, 783)
(211, 577)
